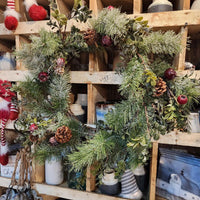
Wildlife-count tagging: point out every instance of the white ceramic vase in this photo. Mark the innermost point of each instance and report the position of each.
(195, 5)
(160, 6)
(54, 171)
(194, 124)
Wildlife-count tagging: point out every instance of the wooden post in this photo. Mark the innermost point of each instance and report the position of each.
(137, 6)
(183, 4)
(95, 6)
(19, 40)
(153, 172)
(179, 61)
(90, 180)
(46, 197)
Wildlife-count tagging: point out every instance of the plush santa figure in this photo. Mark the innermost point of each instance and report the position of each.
(35, 11)
(8, 111)
(11, 16)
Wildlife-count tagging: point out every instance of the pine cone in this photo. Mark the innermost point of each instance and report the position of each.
(160, 87)
(90, 37)
(63, 134)
(59, 70)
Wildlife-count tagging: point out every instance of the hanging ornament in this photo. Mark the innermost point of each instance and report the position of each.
(106, 41)
(170, 74)
(11, 16)
(33, 127)
(53, 141)
(110, 7)
(6, 109)
(60, 62)
(35, 11)
(43, 76)
(63, 134)
(13, 112)
(160, 87)
(182, 99)
(90, 37)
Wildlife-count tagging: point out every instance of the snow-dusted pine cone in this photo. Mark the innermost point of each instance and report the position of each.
(90, 37)
(160, 87)
(63, 134)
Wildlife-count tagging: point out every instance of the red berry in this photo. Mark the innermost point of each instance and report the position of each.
(60, 62)
(182, 99)
(43, 76)
(170, 74)
(33, 127)
(106, 41)
(110, 7)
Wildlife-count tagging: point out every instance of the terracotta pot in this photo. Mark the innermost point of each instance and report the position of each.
(160, 6)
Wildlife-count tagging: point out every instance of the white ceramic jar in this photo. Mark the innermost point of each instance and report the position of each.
(195, 5)
(54, 171)
(194, 122)
(160, 6)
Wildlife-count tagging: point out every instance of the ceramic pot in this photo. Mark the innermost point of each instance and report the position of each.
(129, 186)
(78, 111)
(54, 171)
(141, 178)
(110, 184)
(160, 6)
(195, 5)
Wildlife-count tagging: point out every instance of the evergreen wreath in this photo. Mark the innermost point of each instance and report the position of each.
(156, 100)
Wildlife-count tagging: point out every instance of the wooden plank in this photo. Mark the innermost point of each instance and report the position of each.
(137, 6)
(91, 105)
(153, 172)
(33, 27)
(184, 5)
(84, 77)
(46, 197)
(95, 6)
(62, 192)
(179, 61)
(171, 19)
(180, 138)
(20, 8)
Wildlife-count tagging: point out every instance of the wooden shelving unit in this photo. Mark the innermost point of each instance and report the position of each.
(182, 19)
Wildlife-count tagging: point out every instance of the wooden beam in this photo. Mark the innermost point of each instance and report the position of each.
(90, 180)
(96, 6)
(137, 6)
(180, 138)
(19, 41)
(91, 105)
(171, 19)
(153, 172)
(179, 61)
(20, 8)
(62, 7)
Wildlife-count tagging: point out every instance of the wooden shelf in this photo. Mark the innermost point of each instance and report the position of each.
(62, 192)
(180, 138)
(81, 77)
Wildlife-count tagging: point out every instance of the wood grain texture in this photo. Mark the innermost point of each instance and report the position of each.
(153, 171)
